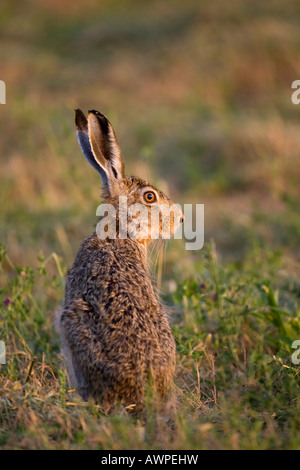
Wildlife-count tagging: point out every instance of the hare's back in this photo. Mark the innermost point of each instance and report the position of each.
(110, 276)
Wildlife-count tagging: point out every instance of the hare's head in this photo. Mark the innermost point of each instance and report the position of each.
(146, 212)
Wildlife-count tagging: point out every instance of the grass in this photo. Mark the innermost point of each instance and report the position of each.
(236, 385)
(200, 97)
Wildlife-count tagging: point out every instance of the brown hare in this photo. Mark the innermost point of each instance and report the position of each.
(113, 327)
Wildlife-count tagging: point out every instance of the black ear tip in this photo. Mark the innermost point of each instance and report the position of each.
(80, 121)
(97, 113)
(94, 111)
(102, 120)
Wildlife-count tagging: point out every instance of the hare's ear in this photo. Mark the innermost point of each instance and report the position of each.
(84, 143)
(106, 150)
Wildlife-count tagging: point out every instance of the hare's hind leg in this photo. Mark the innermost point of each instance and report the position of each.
(76, 379)
(75, 375)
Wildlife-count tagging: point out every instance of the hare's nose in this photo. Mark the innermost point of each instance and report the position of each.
(181, 219)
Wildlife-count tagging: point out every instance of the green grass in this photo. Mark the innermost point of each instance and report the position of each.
(236, 385)
(199, 94)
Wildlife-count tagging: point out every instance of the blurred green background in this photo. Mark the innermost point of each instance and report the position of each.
(199, 94)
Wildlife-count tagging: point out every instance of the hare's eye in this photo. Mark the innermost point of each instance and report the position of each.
(149, 196)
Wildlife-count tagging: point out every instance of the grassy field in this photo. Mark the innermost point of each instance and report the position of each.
(200, 97)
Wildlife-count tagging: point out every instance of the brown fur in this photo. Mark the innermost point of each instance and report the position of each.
(114, 330)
